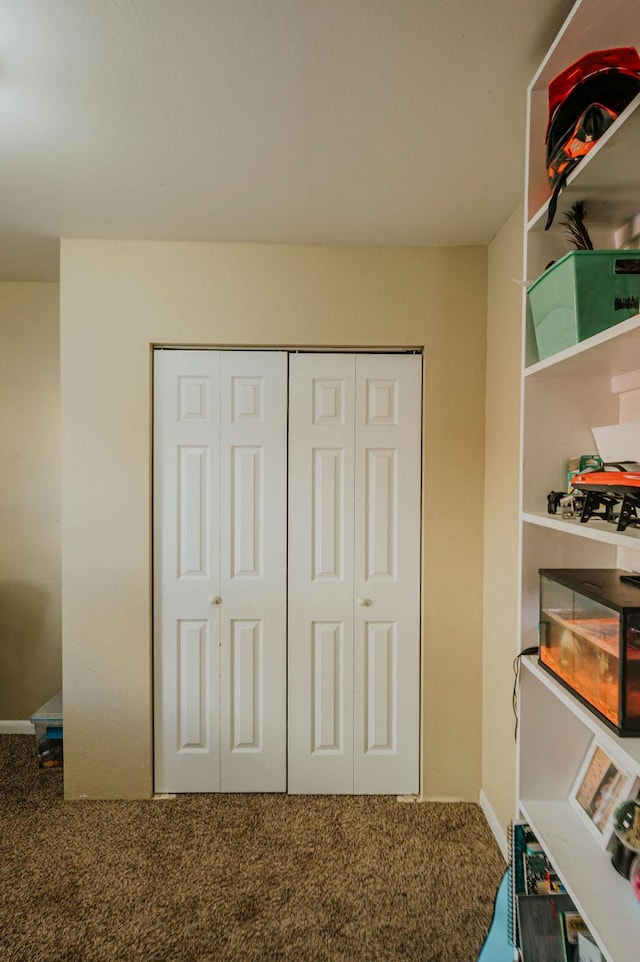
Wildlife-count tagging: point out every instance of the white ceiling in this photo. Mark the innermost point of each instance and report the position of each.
(302, 121)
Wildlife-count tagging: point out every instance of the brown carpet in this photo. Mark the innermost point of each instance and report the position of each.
(237, 878)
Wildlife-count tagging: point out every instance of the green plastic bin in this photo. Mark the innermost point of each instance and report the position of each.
(583, 293)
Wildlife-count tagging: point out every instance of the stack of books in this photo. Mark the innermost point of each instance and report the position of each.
(544, 923)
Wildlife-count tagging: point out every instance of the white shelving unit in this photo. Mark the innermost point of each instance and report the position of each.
(594, 383)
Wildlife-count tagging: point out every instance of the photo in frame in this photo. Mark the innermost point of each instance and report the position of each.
(600, 785)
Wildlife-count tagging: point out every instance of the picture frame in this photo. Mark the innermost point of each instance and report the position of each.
(601, 784)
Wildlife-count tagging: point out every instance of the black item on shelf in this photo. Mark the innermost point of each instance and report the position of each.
(622, 857)
(593, 501)
(607, 486)
(540, 927)
(631, 580)
(584, 100)
(577, 231)
(553, 500)
(628, 516)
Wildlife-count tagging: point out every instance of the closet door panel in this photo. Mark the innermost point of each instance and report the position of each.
(253, 614)
(186, 534)
(220, 572)
(388, 416)
(320, 659)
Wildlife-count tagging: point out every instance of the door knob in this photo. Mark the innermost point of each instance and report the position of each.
(364, 602)
(215, 600)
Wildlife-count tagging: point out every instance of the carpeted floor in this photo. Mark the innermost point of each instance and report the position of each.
(237, 878)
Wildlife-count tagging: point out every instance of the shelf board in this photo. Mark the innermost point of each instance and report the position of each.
(611, 352)
(604, 899)
(626, 750)
(607, 179)
(594, 530)
(588, 27)
(556, 725)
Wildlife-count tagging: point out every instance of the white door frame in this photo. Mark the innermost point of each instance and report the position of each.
(377, 350)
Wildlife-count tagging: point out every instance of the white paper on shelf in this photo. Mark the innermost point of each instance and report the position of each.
(618, 442)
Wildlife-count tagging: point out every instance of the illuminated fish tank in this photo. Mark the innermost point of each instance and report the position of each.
(590, 640)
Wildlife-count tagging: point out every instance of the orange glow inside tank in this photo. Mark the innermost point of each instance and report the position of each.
(594, 650)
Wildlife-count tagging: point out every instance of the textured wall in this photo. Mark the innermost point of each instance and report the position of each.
(30, 645)
(117, 298)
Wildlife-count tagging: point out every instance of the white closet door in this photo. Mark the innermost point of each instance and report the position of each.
(220, 571)
(253, 582)
(354, 573)
(186, 571)
(387, 574)
(321, 486)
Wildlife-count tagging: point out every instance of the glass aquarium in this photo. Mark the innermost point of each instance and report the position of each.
(590, 640)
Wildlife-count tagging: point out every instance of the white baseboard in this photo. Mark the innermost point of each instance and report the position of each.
(428, 798)
(445, 799)
(16, 728)
(494, 825)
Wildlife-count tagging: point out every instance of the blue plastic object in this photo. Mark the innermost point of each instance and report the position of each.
(496, 946)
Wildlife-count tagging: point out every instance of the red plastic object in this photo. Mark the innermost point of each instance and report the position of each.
(617, 482)
(623, 59)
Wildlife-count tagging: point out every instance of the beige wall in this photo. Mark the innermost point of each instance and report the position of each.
(501, 526)
(117, 298)
(30, 645)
